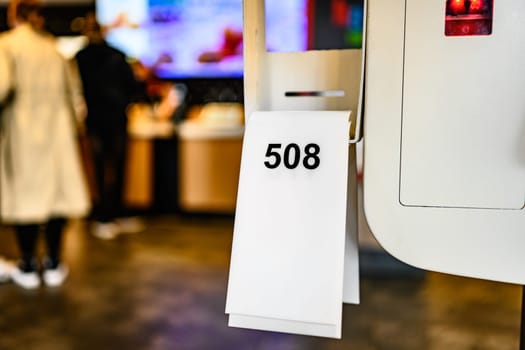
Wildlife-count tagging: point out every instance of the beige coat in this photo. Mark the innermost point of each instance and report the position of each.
(40, 170)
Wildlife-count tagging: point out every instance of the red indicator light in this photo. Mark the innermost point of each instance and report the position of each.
(468, 17)
(457, 6)
(476, 6)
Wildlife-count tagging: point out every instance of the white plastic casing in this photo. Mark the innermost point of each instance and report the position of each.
(269, 75)
(444, 153)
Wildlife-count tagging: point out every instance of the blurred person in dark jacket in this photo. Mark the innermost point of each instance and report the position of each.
(109, 85)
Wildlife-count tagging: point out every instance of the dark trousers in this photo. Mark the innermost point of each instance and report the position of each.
(109, 156)
(27, 236)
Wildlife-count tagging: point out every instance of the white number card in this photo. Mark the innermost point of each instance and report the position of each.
(286, 271)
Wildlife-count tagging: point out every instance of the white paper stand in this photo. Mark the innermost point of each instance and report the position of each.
(288, 251)
(351, 290)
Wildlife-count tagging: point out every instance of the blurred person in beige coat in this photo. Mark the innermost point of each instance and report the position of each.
(41, 178)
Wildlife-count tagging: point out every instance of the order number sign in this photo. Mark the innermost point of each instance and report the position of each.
(291, 156)
(297, 146)
(289, 233)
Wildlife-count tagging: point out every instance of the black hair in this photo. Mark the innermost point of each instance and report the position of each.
(24, 9)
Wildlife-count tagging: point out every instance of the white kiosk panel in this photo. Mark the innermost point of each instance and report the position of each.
(463, 107)
(444, 152)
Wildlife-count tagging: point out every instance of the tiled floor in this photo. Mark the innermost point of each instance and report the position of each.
(165, 289)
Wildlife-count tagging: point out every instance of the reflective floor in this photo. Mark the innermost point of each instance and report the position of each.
(165, 289)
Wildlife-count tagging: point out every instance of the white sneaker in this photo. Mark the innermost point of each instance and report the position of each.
(26, 280)
(130, 225)
(55, 277)
(105, 230)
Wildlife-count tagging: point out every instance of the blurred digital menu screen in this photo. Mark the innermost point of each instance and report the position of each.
(203, 38)
(182, 38)
(302, 25)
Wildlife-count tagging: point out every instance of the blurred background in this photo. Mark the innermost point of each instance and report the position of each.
(165, 287)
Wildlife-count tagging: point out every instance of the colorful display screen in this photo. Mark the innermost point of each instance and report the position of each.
(182, 38)
(302, 25)
(468, 17)
(203, 38)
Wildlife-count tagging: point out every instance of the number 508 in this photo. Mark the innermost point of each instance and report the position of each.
(291, 156)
